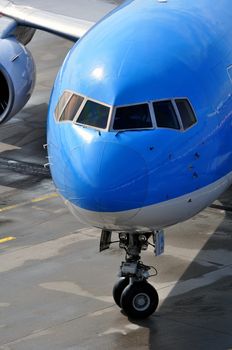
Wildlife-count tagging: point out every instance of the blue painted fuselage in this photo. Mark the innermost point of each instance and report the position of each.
(147, 51)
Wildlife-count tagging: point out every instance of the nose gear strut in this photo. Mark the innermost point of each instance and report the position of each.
(137, 298)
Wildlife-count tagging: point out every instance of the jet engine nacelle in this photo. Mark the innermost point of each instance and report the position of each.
(17, 77)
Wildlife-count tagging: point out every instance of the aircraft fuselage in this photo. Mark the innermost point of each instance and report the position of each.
(142, 52)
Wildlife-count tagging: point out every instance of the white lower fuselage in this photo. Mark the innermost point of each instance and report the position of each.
(156, 216)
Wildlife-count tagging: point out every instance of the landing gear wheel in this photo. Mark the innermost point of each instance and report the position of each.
(139, 300)
(119, 287)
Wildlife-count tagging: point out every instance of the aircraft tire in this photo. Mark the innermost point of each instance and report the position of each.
(139, 300)
(119, 287)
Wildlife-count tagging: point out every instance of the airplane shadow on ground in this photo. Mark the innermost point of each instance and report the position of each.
(199, 317)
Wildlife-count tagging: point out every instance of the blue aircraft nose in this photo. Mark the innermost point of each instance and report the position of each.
(106, 177)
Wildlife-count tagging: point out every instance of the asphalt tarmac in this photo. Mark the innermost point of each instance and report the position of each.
(55, 286)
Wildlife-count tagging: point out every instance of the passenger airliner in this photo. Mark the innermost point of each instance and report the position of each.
(139, 122)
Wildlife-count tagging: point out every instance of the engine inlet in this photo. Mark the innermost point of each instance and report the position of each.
(4, 96)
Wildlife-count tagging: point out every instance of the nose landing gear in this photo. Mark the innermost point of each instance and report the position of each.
(137, 298)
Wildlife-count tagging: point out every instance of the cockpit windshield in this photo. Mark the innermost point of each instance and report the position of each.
(71, 107)
(94, 114)
(174, 113)
(132, 117)
(79, 109)
(68, 106)
(165, 115)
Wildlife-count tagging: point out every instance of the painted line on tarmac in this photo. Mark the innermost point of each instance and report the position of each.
(43, 198)
(32, 201)
(7, 239)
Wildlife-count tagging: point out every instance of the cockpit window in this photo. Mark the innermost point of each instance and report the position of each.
(186, 113)
(68, 106)
(132, 117)
(94, 114)
(165, 115)
(62, 102)
(71, 107)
